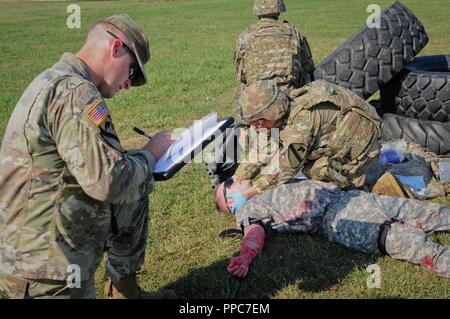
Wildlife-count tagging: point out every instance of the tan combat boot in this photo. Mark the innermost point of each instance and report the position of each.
(128, 288)
(389, 185)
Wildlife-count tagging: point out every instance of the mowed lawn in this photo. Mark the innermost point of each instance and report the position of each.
(191, 74)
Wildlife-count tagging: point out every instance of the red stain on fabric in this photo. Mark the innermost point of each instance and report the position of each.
(303, 206)
(427, 262)
(437, 215)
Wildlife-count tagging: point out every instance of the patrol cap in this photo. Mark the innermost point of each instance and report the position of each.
(262, 100)
(135, 40)
(265, 7)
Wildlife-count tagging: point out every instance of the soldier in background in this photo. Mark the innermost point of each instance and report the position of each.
(272, 50)
(68, 190)
(364, 222)
(325, 131)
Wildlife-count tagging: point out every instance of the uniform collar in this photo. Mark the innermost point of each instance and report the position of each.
(268, 20)
(76, 65)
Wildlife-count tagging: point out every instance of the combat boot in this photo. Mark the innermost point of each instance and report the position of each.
(389, 185)
(128, 288)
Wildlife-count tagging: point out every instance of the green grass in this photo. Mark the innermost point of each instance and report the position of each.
(191, 74)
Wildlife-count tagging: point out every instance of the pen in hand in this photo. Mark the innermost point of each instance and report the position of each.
(141, 132)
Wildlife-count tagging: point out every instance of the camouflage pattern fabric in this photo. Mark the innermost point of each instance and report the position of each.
(333, 131)
(293, 207)
(262, 100)
(257, 151)
(275, 51)
(353, 219)
(19, 288)
(265, 7)
(127, 239)
(62, 169)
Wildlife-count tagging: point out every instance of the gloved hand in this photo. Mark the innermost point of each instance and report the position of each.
(239, 201)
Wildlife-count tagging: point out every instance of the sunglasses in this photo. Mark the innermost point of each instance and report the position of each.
(133, 67)
(226, 184)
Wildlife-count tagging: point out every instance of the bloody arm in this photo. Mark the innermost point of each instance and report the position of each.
(251, 246)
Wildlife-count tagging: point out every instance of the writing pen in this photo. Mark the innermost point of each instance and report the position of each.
(141, 132)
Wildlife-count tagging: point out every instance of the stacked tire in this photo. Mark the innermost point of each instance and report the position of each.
(374, 56)
(422, 90)
(416, 90)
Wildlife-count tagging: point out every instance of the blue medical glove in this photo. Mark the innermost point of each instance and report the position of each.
(239, 200)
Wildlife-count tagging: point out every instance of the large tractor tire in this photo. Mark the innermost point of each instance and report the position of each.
(373, 56)
(422, 90)
(434, 136)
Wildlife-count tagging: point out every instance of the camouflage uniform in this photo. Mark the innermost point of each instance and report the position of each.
(289, 65)
(272, 50)
(355, 219)
(268, 50)
(68, 190)
(330, 134)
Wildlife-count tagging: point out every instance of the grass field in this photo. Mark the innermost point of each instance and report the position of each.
(191, 74)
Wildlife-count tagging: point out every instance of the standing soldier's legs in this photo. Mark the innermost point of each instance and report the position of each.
(127, 239)
(409, 243)
(19, 288)
(126, 252)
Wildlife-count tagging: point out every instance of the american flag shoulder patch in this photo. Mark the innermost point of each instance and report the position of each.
(98, 112)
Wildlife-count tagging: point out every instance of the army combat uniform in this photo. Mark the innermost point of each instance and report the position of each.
(68, 190)
(273, 50)
(358, 220)
(269, 50)
(330, 134)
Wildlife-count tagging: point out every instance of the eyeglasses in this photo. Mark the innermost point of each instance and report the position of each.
(226, 184)
(133, 67)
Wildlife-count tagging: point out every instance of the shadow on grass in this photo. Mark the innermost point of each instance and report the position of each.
(303, 262)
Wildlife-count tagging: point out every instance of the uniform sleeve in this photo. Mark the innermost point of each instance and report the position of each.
(239, 53)
(104, 172)
(257, 151)
(297, 140)
(254, 210)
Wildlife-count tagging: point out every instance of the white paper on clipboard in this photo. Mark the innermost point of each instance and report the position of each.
(189, 141)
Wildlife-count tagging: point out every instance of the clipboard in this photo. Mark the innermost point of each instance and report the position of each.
(189, 144)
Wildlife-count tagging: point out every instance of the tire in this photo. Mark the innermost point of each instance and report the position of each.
(422, 90)
(434, 136)
(372, 57)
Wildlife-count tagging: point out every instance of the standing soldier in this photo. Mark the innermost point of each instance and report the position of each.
(326, 131)
(68, 190)
(272, 50)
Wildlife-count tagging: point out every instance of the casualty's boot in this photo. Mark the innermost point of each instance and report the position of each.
(389, 185)
(128, 288)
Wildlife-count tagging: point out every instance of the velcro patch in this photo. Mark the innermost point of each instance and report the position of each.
(98, 112)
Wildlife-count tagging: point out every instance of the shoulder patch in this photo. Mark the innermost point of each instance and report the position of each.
(97, 112)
